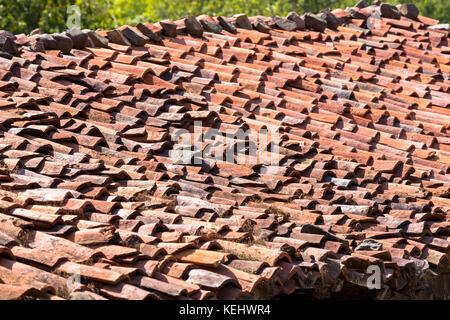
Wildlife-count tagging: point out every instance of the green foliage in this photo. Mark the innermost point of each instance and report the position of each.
(20, 16)
(155, 10)
(96, 14)
(51, 15)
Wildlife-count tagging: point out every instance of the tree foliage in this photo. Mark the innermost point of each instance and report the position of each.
(20, 16)
(51, 15)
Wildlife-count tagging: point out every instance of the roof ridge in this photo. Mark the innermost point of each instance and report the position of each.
(146, 32)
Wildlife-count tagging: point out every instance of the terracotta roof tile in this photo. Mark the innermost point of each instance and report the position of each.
(89, 186)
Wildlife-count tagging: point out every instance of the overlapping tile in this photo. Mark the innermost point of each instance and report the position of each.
(89, 184)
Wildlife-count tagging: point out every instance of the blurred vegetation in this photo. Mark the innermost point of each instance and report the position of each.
(20, 16)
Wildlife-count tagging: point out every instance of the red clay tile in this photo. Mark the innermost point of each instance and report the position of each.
(88, 178)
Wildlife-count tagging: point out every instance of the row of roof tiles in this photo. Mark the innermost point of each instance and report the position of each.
(359, 99)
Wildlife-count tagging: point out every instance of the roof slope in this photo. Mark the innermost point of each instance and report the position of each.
(359, 97)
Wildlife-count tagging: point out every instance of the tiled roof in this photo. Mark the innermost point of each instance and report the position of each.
(359, 97)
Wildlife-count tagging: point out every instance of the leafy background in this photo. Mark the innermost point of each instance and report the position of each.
(22, 16)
